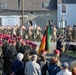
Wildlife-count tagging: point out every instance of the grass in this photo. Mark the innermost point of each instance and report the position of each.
(71, 53)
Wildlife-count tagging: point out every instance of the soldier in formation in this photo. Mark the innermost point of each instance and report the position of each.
(69, 33)
(38, 33)
(54, 33)
(9, 49)
(74, 33)
(1, 58)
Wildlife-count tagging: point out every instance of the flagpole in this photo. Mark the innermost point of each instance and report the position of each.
(22, 12)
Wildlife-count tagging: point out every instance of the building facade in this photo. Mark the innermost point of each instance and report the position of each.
(35, 12)
(66, 13)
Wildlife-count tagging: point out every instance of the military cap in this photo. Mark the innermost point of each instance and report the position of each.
(1, 37)
(1, 42)
(43, 50)
(13, 41)
(30, 43)
(10, 40)
(19, 38)
(34, 45)
(23, 43)
(7, 37)
(65, 65)
(27, 41)
(56, 51)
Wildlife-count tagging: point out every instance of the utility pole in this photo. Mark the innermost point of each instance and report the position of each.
(22, 12)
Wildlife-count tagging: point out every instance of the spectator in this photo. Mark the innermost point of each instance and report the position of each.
(44, 65)
(64, 70)
(32, 68)
(18, 65)
(57, 54)
(59, 45)
(73, 64)
(74, 71)
(53, 69)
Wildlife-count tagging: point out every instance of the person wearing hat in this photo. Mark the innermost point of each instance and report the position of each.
(64, 70)
(59, 45)
(18, 44)
(5, 49)
(18, 65)
(57, 54)
(33, 49)
(10, 56)
(1, 58)
(25, 49)
(74, 33)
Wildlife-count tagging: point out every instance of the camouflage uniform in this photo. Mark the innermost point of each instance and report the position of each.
(31, 32)
(26, 51)
(1, 61)
(9, 55)
(38, 33)
(18, 46)
(69, 33)
(74, 33)
(54, 31)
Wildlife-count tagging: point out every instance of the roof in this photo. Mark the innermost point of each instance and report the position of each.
(66, 1)
(30, 4)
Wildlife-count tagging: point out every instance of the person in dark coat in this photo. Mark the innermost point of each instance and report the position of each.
(33, 49)
(10, 56)
(18, 65)
(59, 45)
(5, 52)
(44, 65)
(53, 69)
(18, 44)
(1, 58)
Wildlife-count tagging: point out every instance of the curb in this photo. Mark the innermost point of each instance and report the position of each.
(69, 55)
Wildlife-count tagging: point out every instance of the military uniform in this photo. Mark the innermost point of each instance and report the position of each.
(69, 33)
(9, 57)
(54, 33)
(1, 61)
(74, 33)
(18, 46)
(31, 32)
(26, 52)
(38, 33)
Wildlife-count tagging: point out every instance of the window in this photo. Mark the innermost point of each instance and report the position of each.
(2, 5)
(66, 23)
(63, 8)
(31, 12)
(45, 4)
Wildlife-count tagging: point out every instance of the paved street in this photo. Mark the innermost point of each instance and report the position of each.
(64, 58)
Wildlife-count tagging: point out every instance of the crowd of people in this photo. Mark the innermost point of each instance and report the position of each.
(19, 57)
(35, 32)
(30, 32)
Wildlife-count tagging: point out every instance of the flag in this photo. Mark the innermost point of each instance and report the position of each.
(45, 42)
(47, 47)
(18, 3)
